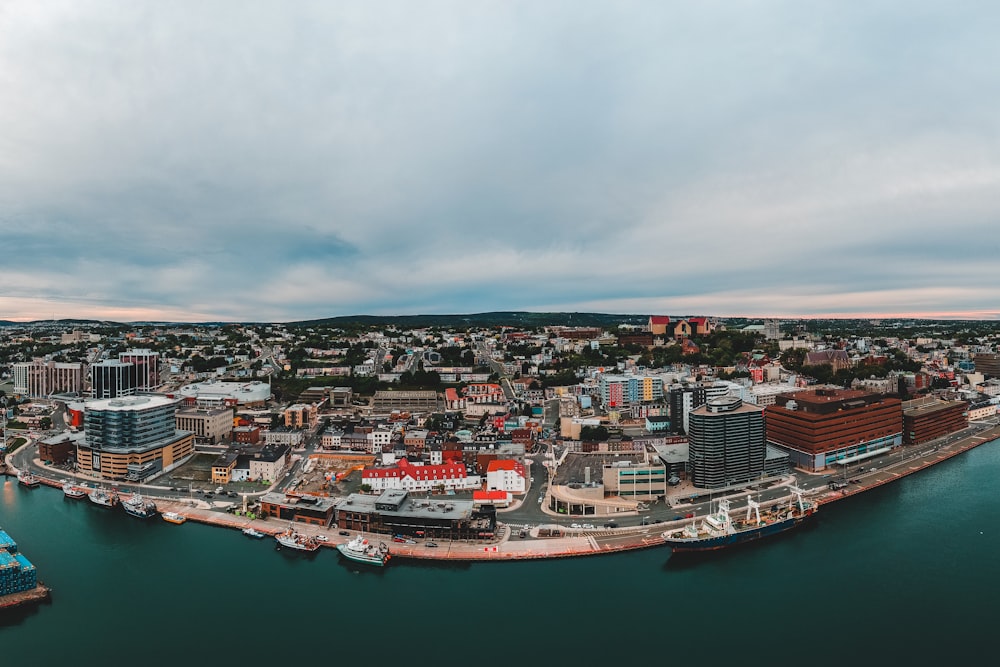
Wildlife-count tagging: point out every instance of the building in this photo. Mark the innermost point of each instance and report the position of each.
(621, 391)
(147, 368)
(925, 419)
(223, 467)
(506, 475)
(133, 438)
(825, 426)
(283, 436)
(217, 392)
(266, 463)
(61, 447)
(246, 435)
(209, 425)
(315, 510)
(837, 359)
(394, 513)
(301, 415)
(987, 363)
(636, 481)
(41, 378)
(112, 379)
(726, 443)
(412, 477)
(659, 325)
(409, 401)
(681, 400)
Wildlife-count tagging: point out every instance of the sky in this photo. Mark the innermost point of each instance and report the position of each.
(276, 161)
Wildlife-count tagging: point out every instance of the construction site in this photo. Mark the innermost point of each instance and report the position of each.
(330, 472)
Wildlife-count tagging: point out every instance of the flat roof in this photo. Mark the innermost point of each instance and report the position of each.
(424, 508)
(129, 403)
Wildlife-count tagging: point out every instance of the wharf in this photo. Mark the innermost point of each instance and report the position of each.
(37, 594)
(577, 542)
(920, 457)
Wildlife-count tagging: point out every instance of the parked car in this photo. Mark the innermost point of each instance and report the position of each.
(344, 532)
(430, 544)
(322, 538)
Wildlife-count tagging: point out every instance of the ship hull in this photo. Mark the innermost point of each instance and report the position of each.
(362, 558)
(681, 545)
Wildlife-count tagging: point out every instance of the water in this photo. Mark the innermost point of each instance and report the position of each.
(904, 574)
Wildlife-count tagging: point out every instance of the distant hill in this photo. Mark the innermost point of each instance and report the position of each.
(494, 319)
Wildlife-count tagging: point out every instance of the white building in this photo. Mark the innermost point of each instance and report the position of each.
(506, 475)
(413, 477)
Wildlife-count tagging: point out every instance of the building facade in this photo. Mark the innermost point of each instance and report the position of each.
(726, 443)
(209, 425)
(133, 438)
(147, 368)
(112, 379)
(827, 426)
(41, 378)
(929, 418)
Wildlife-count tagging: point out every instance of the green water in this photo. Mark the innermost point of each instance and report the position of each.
(907, 574)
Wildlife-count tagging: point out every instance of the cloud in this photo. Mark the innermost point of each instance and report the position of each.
(259, 161)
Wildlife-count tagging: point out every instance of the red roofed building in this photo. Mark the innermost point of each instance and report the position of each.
(495, 498)
(452, 400)
(658, 325)
(506, 475)
(702, 325)
(411, 477)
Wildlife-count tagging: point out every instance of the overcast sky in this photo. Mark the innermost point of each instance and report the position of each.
(289, 160)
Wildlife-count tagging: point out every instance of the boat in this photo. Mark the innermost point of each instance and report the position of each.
(70, 490)
(103, 497)
(293, 540)
(174, 517)
(249, 531)
(719, 530)
(25, 478)
(362, 551)
(139, 507)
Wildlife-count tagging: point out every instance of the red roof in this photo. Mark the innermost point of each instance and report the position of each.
(490, 495)
(659, 319)
(505, 464)
(698, 320)
(405, 469)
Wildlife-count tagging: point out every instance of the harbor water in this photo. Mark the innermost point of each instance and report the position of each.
(906, 573)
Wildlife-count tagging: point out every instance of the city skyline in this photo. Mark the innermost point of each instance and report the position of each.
(267, 162)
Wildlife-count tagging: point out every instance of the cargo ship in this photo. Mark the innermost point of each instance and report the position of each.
(139, 507)
(362, 551)
(293, 540)
(19, 583)
(719, 530)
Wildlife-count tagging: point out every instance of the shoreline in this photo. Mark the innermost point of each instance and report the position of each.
(597, 542)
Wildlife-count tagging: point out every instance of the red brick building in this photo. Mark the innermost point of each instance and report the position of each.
(929, 418)
(820, 427)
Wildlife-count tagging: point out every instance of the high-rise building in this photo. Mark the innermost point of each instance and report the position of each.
(726, 443)
(132, 438)
(147, 368)
(821, 427)
(40, 378)
(622, 391)
(681, 400)
(112, 379)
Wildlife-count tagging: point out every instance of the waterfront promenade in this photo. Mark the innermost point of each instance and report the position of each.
(583, 542)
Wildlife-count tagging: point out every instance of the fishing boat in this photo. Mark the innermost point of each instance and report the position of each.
(289, 538)
(73, 491)
(25, 478)
(139, 507)
(249, 531)
(104, 497)
(719, 530)
(174, 517)
(362, 551)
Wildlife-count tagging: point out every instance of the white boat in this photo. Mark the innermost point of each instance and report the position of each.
(103, 497)
(139, 507)
(293, 540)
(174, 517)
(25, 478)
(249, 531)
(362, 551)
(70, 490)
